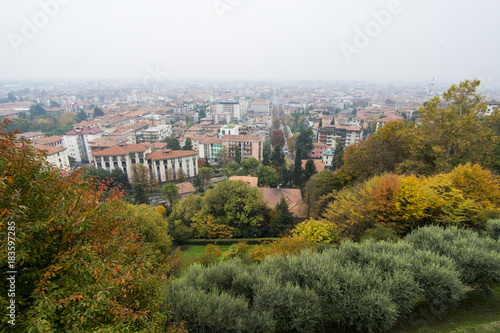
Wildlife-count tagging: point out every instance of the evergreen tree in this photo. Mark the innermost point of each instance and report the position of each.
(140, 196)
(237, 155)
(284, 221)
(297, 168)
(266, 153)
(80, 116)
(310, 169)
(338, 155)
(197, 181)
(277, 157)
(173, 143)
(188, 144)
(285, 176)
(98, 112)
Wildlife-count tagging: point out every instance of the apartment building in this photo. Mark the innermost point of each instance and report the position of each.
(348, 135)
(77, 142)
(231, 107)
(56, 155)
(250, 145)
(210, 149)
(317, 151)
(261, 107)
(156, 133)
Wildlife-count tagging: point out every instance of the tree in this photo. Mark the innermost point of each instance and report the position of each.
(233, 169)
(284, 221)
(297, 168)
(205, 174)
(277, 158)
(291, 144)
(268, 177)
(188, 144)
(81, 116)
(234, 204)
(23, 125)
(98, 112)
(310, 170)
(119, 178)
(75, 252)
(140, 196)
(169, 192)
(338, 155)
(67, 119)
(266, 153)
(277, 138)
(37, 110)
(250, 165)
(197, 181)
(202, 114)
(305, 142)
(237, 155)
(285, 176)
(181, 175)
(173, 143)
(140, 174)
(54, 104)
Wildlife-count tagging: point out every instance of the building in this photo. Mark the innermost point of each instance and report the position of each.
(261, 107)
(293, 197)
(229, 129)
(53, 141)
(318, 164)
(210, 149)
(249, 181)
(185, 190)
(231, 107)
(224, 117)
(250, 145)
(348, 135)
(317, 151)
(491, 106)
(122, 156)
(328, 156)
(156, 133)
(170, 165)
(31, 135)
(57, 156)
(77, 142)
(124, 134)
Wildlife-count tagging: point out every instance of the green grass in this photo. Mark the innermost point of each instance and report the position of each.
(479, 312)
(194, 251)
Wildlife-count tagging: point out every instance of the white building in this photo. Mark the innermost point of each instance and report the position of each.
(55, 155)
(157, 133)
(491, 106)
(261, 107)
(231, 107)
(77, 142)
(210, 149)
(229, 129)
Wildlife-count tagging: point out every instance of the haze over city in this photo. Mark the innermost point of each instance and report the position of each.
(250, 40)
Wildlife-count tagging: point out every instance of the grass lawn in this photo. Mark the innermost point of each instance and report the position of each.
(194, 251)
(477, 313)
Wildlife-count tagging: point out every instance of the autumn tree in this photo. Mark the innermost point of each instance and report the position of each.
(277, 138)
(291, 144)
(75, 254)
(205, 174)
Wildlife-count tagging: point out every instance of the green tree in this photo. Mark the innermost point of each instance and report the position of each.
(37, 110)
(234, 204)
(268, 177)
(297, 176)
(233, 169)
(119, 177)
(310, 170)
(169, 192)
(277, 158)
(338, 155)
(202, 114)
(54, 104)
(250, 165)
(284, 221)
(237, 155)
(173, 143)
(266, 153)
(285, 176)
(81, 116)
(98, 112)
(205, 174)
(24, 125)
(188, 144)
(140, 196)
(305, 142)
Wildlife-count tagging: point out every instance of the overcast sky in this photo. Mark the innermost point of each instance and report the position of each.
(409, 40)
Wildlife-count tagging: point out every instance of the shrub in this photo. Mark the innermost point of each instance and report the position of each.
(209, 255)
(476, 258)
(316, 231)
(493, 229)
(380, 232)
(236, 250)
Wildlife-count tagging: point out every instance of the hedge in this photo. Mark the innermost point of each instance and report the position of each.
(228, 241)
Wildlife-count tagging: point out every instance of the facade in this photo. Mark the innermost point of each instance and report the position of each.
(156, 133)
(165, 165)
(77, 142)
(261, 107)
(210, 149)
(491, 106)
(123, 133)
(231, 107)
(250, 145)
(348, 135)
(328, 157)
(53, 141)
(317, 151)
(57, 156)
(224, 117)
(229, 129)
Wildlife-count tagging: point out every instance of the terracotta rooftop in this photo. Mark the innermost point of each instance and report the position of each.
(84, 130)
(319, 164)
(185, 188)
(168, 153)
(47, 140)
(123, 149)
(212, 140)
(50, 150)
(272, 196)
(249, 181)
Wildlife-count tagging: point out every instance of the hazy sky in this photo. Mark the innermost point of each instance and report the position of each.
(251, 39)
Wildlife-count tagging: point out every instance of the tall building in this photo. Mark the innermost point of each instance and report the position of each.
(250, 145)
(77, 142)
(231, 107)
(348, 135)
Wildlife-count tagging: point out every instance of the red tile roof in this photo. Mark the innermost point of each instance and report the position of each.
(249, 181)
(272, 196)
(242, 137)
(84, 130)
(185, 188)
(50, 150)
(168, 153)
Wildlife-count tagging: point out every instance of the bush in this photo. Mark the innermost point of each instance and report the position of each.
(380, 232)
(316, 231)
(228, 241)
(236, 250)
(493, 229)
(476, 258)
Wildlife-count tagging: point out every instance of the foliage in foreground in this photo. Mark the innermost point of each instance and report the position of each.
(367, 286)
(81, 265)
